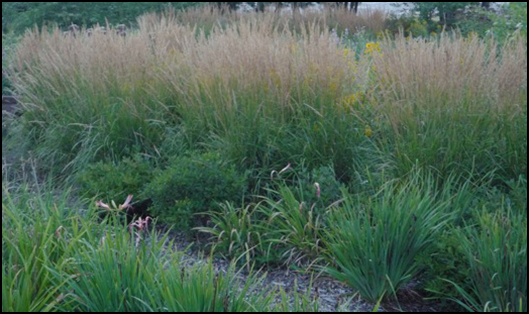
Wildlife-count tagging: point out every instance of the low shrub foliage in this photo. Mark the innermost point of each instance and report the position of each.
(193, 185)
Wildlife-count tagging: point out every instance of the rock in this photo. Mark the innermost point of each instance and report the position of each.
(73, 28)
(121, 30)
(9, 104)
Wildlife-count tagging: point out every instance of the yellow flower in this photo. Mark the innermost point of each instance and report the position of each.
(333, 86)
(372, 48)
(348, 101)
(275, 79)
(369, 132)
(473, 35)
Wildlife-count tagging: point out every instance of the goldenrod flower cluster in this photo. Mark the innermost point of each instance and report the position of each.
(371, 48)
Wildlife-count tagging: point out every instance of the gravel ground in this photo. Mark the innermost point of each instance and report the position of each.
(333, 296)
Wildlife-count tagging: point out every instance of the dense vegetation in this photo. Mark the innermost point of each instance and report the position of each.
(19, 16)
(380, 151)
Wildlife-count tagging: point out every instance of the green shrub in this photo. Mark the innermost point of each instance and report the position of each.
(447, 12)
(194, 185)
(23, 15)
(447, 272)
(373, 244)
(446, 259)
(7, 46)
(410, 27)
(475, 22)
(330, 189)
(114, 181)
(303, 182)
(512, 20)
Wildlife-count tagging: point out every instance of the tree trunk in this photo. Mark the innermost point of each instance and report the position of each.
(354, 6)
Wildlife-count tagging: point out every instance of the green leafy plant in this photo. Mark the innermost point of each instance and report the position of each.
(330, 189)
(446, 259)
(112, 181)
(7, 47)
(192, 186)
(511, 20)
(58, 259)
(447, 263)
(446, 11)
(22, 15)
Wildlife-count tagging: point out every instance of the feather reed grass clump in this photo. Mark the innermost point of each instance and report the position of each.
(269, 94)
(250, 87)
(455, 104)
(210, 17)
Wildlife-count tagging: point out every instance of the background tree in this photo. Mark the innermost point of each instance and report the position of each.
(228, 5)
(260, 6)
(18, 16)
(445, 11)
(349, 5)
